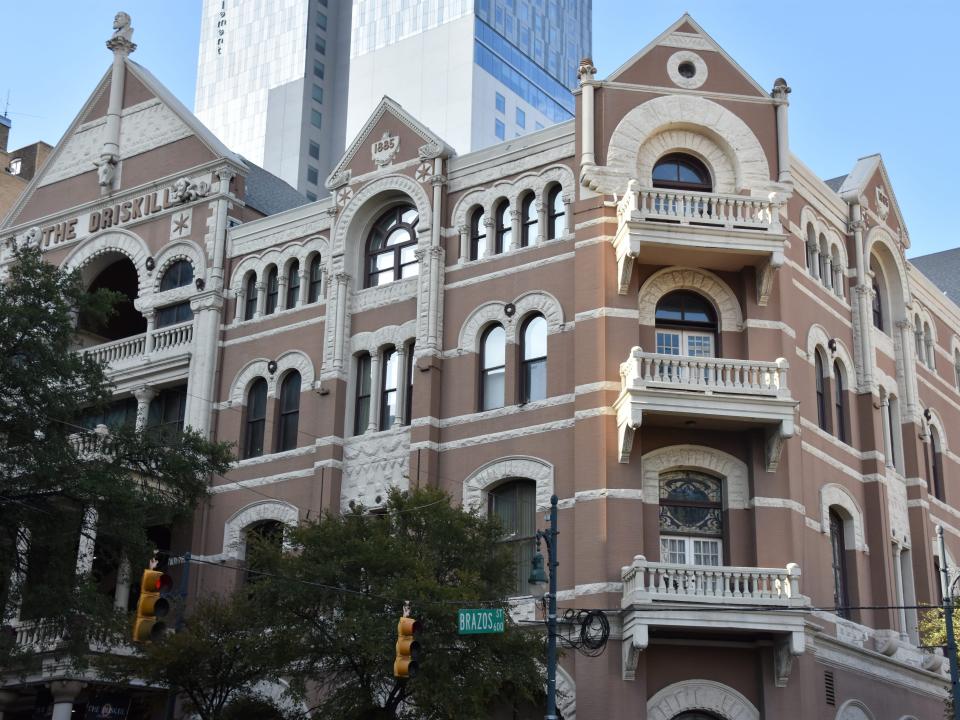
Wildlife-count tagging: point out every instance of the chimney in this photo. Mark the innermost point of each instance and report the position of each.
(4, 132)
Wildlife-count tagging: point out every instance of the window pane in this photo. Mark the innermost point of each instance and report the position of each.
(493, 383)
(409, 216)
(383, 260)
(398, 236)
(673, 550)
(535, 380)
(668, 343)
(535, 338)
(383, 278)
(494, 347)
(706, 552)
(410, 270)
(408, 254)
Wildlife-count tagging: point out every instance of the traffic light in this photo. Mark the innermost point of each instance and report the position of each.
(151, 606)
(406, 665)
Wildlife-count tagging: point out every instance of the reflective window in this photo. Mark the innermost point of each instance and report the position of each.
(288, 412)
(361, 416)
(530, 218)
(556, 213)
(493, 367)
(501, 102)
(533, 351)
(293, 284)
(316, 279)
(840, 402)
(273, 290)
(167, 411)
(681, 172)
(478, 235)
(313, 175)
(936, 465)
(821, 392)
(389, 382)
(180, 274)
(504, 229)
(256, 419)
(691, 518)
(838, 548)
(499, 129)
(173, 314)
(250, 297)
(514, 504)
(392, 246)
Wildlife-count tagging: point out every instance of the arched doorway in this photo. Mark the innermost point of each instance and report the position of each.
(118, 275)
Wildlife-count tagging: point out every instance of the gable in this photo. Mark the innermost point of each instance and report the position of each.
(870, 182)
(658, 64)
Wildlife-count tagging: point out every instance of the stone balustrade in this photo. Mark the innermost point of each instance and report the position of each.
(733, 212)
(719, 375)
(138, 348)
(172, 337)
(118, 351)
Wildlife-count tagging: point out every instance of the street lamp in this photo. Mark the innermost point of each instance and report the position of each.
(538, 584)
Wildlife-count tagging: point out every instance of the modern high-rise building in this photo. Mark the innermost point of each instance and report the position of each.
(272, 83)
(287, 83)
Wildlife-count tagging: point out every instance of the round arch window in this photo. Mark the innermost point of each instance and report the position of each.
(679, 171)
(392, 246)
(686, 325)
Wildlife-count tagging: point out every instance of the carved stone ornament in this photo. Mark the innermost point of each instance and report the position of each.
(122, 38)
(883, 204)
(424, 172)
(106, 170)
(344, 195)
(385, 149)
(187, 190)
(430, 151)
(29, 238)
(338, 180)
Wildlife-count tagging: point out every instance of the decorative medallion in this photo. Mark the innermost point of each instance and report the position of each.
(180, 224)
(385, 149)
(344, 195)
(883, 204)
(424, 171)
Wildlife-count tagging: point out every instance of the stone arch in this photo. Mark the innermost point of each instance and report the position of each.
(692, 143)
(395, 335)
(247, 374)
(936, 421)
(478, 484)
(736, 491)
(536, 301)
(854, 710)
(482, 316)
(234, 542)
(512, 191)
(364, 207)
(834, 495)
(726, 130)
(882, 246)
(566, 694)
(178, 250)
(817, 336)
(119, 241)
(706, 695)
(249, 264)
(663, 281)
(292, 360)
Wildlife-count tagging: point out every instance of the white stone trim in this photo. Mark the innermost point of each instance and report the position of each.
(835, 495)
(115, 240)
(707, 695)
(493, 312)
(505, 272)
(290, 360)
(854, 710)
(701, 146)
(729, 313)
(688, 83)
(234, 542)
(260, 481)
(373, 341)
(477, 486)
(818, 336)
(736, 488)
(178, 250)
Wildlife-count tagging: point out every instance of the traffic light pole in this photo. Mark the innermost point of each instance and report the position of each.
(948, 619)
(549, 536)
(178, 625)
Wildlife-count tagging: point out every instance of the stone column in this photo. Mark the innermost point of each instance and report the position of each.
(430, 298)
(541, 221)
(206, 308)
(375, 386)
(304, 274)
(898, 588)
(780, 92)
(150, 315)
(144, 395)
(261, 299)
(491, 230)
(516, 229)
(862, 299)
(281, 290)
(828, 272)
(886, 430)
(64, 693)
(88, 541)
(402, 360)
(907, 372)
(567, 215)
(342, 300)
(586, 73)
(121, 594)
(464, 231)
(121, 44)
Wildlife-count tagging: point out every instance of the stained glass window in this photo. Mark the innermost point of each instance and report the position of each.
(690, 504)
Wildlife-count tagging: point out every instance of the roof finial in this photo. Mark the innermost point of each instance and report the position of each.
(122, 39)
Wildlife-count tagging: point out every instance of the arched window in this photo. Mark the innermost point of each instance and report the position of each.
(293, 284)
(918, 339)
(514, 504)
(556, 213)
(493, 355)
(838, 547)
(686, 325)
(821, 381)
(695, 715)
(893, 431)
(811, 246)
(389, 383)
(825, 270)
(530, 219)
(877, 306)
(956, 367)
(936, 465)
(392, 246)
(273, 290)
(533, 353)
(173, 314)
(250, 297)
(260, 538)
(838, 271)
(504, 227)
(478, 234)
(288, 412)
(840, 402)
(361, 414)
(679, 171)
(316, 278)
(256, 419)
(928, 346)
(691, 518)
(177, 275)
(408, 398)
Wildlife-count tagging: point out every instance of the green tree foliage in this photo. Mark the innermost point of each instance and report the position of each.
(52, 473)
(342, 589)
(933, 633)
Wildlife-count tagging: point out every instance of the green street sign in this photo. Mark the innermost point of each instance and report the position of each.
(480, 621)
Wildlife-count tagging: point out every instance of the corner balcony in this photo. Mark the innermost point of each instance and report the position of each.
(711, 392)
(721, 232)
(723, 601)
(163, 347)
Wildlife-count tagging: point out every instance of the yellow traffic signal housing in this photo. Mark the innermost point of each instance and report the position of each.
(406, 665)
(151, 606)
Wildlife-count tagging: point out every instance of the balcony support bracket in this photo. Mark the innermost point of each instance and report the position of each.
(776, 436)
(629, 418)
(635, 641)
(765, 277)
(626, 245)
(785, 650)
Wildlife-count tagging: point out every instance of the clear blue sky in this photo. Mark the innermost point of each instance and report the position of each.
(866, 76)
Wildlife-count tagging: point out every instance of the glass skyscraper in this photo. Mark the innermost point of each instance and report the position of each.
(287, 83)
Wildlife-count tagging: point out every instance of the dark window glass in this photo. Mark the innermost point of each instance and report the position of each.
(318, 69)
(250, 297)
(313, 175)
(533, 351)
(389, 384)
(273, 290)
(289, 412)
(177, 275)
(838, 548)
(173, 314)
(821, 392)
(261, 537)
(119, 413)
(840, 401)
(318, 97)
(514, 504)
(314, 149)
(320, 45)
(167, 411)
(682, 307)
(556, 214)
(316, 279)
(361, 416)
(681, 172)
(936, 465)
(690, 504)
(311, 196)
(877, 307)
(504, 227)
(316, 119)
(293, 284)
(478, 235)
(493, 367)
(321, 21)
(392, 246)
(530, 219)
(256, 419)
(408, 410)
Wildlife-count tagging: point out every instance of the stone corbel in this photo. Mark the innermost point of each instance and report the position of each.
(765, 276)
(430, 151)
(634, 642)
(338, 180)
(783, 654)
(627, 251)
(776, 437)
(629, 418)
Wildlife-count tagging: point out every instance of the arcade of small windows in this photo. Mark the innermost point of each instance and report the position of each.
(831, 395)
(498, 234)
(824, 261)
(298, 284)
(286, 414)
(383, 396)
(923, 342)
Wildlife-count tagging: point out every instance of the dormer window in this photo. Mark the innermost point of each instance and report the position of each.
(678, 171)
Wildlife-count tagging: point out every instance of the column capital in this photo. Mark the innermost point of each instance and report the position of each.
(586, 71)
(781, 90)
(66, 690)
(144, 394)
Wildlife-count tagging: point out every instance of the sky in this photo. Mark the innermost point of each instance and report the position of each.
(867, 77)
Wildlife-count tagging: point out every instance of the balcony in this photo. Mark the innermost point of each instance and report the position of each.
(745, 601)
(163, 347)
(723, 232)
(712, 392)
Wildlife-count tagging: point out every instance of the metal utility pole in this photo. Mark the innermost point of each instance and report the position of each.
(948, 618)
(537, 582)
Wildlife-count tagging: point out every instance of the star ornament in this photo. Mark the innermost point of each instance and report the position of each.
(424, 171)
(181, 224)
(344, 195)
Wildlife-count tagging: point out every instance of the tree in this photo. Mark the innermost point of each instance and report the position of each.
(56, 478)
(343, 589)
(221, 660)
(933, 633)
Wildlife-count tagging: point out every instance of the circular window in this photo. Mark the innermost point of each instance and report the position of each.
(687, 69)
